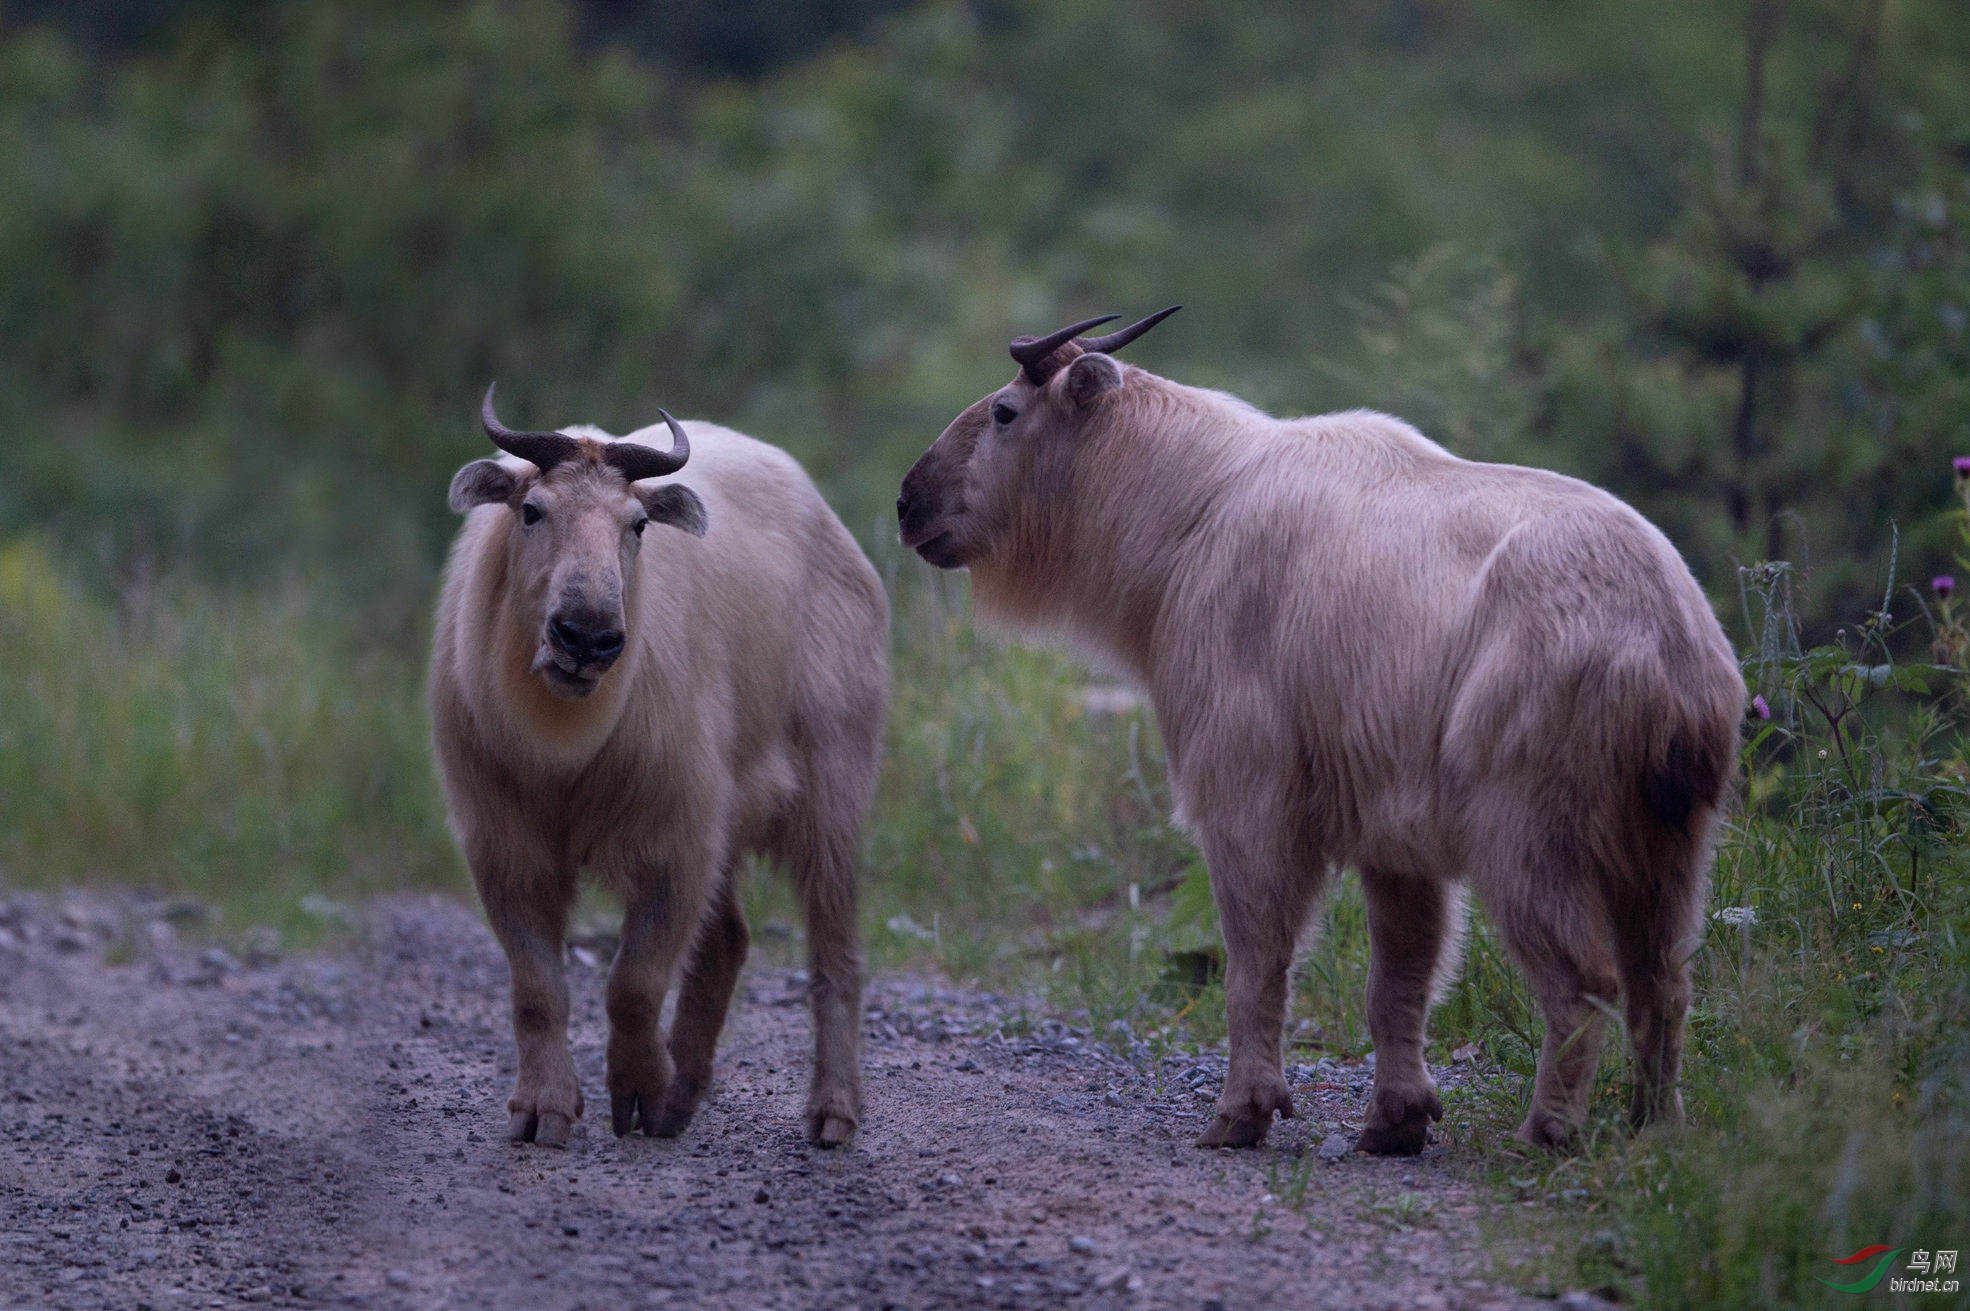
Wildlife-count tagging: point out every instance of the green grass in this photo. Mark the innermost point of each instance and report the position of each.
(254, 751)
(246, 751)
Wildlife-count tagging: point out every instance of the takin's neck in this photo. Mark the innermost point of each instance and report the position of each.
(1115, 545)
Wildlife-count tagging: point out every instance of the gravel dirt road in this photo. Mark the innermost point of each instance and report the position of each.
(181, 1129)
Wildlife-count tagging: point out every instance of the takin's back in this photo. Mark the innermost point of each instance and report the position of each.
(1369, 597)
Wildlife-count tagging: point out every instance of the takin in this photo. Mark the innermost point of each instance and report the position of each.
(1364, 651)
(648, 708)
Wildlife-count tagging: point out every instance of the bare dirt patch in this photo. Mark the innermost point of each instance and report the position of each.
(183, 1129)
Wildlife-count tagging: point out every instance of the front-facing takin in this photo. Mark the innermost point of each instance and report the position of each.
(646, 680)
(1363, 651)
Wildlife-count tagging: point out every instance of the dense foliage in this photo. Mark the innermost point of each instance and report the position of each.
(254, 272)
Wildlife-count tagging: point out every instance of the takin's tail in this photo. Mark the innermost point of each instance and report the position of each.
(1687, 767)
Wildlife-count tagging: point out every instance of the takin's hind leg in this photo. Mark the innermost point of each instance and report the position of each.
(1409, 921)
(823, 863)
(706, 995)
(1561, 944)
(1652, 942)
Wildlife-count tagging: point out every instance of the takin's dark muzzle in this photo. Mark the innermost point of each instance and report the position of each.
(920, 525)
(579, 648)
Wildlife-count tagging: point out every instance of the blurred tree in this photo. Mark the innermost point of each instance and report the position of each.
(254, 275)
(718, 38)
(1729, 394)
(731, 38)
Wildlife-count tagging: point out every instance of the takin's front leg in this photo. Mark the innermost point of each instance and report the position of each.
(662, 914)
(1408, 921)
(531, 920)
(716, 959)
(1263, 902)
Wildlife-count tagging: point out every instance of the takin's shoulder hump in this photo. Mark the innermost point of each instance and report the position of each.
(722, 454)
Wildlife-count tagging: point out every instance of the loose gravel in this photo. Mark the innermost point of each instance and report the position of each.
(187, 1127)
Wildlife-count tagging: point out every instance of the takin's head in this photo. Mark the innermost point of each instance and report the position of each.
(969, 497)
(577, 525)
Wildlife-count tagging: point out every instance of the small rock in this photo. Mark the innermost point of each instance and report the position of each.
(397, 1279)
(1080, 1244)
(1582, 1300)
(186, 912)
(762, 1197)
(570, 1231)
(1335, 1147)
(1113, 1099)
(1116, 1276)
(172, 1176)
(218, 960)
(949, 1180)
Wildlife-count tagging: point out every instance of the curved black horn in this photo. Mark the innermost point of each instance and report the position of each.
(636, 460)
(543, 449)
(1114, 341)
(1032, 352)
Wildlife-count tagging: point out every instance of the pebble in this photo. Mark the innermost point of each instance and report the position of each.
(1335, 1147)
(1080, 1244)
(397, 1279)
(1581, 1300)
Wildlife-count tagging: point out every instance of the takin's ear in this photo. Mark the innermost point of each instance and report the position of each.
(677, 506)
(482, 482)
(1090, 375)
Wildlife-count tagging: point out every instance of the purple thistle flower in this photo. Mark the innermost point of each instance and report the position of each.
(1942, 585)
(1759, 708)
(1962, 466)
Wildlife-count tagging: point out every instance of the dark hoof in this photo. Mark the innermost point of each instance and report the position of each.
(675, 1118)
(830, 1131)
(1403, 1131)
(547, 1128)
(1242, 1131)
(1545, 1130)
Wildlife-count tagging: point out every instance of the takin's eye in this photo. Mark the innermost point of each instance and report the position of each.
(1003, 414)
(529, 513)
(640, 525)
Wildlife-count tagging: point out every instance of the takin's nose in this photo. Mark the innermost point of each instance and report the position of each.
(585, 643)
(913, 512)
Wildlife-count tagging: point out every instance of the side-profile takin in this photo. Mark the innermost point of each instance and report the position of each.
(648, 707)
(1364, 651)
